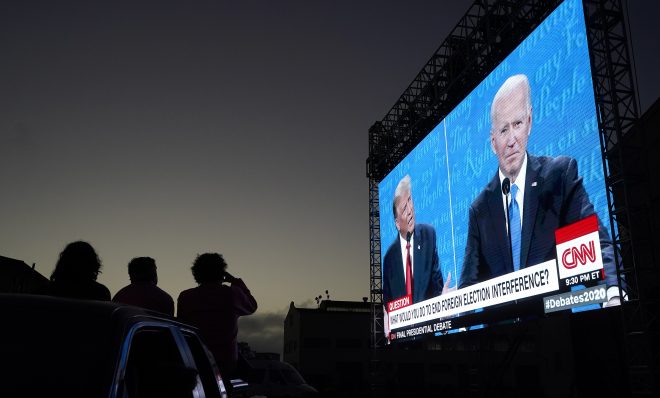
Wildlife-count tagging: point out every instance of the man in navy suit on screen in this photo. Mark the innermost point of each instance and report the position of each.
(546, 194)
(411, 265)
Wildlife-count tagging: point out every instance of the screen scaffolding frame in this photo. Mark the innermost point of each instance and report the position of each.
(486, 34)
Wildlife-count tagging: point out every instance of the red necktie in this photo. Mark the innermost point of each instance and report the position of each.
(409, 281)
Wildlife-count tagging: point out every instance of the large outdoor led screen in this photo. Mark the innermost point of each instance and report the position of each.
(449, 260)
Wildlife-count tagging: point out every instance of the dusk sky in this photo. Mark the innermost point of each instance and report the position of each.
(173, 128)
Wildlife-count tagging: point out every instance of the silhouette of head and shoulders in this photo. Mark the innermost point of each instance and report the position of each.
(75, 274)
(214, 307)
(143, 290)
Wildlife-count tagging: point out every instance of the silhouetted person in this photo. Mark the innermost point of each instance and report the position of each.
(75, 274)
(143, 292)
(214, 308)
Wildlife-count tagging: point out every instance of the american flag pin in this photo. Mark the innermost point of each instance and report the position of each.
(534, 184)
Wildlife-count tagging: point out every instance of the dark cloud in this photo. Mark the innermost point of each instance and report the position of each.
(309, 303)
(264, 331)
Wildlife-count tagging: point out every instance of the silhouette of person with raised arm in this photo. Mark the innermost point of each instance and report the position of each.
(75, 274)
(143, 290)
(214, 308)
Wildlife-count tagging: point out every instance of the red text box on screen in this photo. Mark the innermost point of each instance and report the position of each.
(399, 303)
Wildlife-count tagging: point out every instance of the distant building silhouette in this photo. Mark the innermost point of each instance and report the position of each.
(330, 347)
(18, 277)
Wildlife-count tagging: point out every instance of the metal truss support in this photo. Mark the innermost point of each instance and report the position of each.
(376, 285)
(487, 33)
(627, 191)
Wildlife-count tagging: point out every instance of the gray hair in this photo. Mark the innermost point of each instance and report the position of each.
(509, 85)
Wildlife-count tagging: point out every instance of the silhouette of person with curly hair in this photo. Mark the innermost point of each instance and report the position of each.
(214, 308)
(75, 274)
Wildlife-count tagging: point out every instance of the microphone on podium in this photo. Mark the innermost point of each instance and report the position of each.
(506, 185)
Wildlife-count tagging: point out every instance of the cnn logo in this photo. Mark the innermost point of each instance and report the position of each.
(573, 256)
(578, 248)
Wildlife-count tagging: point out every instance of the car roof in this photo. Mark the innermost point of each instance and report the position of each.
(26, 308)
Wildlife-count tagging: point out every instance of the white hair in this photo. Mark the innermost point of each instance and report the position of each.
(511, 84)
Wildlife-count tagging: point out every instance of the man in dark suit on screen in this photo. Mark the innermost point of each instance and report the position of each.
(411, 265)
(546, 193)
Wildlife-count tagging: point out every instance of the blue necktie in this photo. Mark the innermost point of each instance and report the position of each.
(514, 228)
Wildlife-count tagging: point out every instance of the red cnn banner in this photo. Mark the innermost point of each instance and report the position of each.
(399, 303)
(578, 248)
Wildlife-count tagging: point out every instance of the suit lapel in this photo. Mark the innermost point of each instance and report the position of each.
(532, 189)
(398, 279)
(419, 260)
(498, 221)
